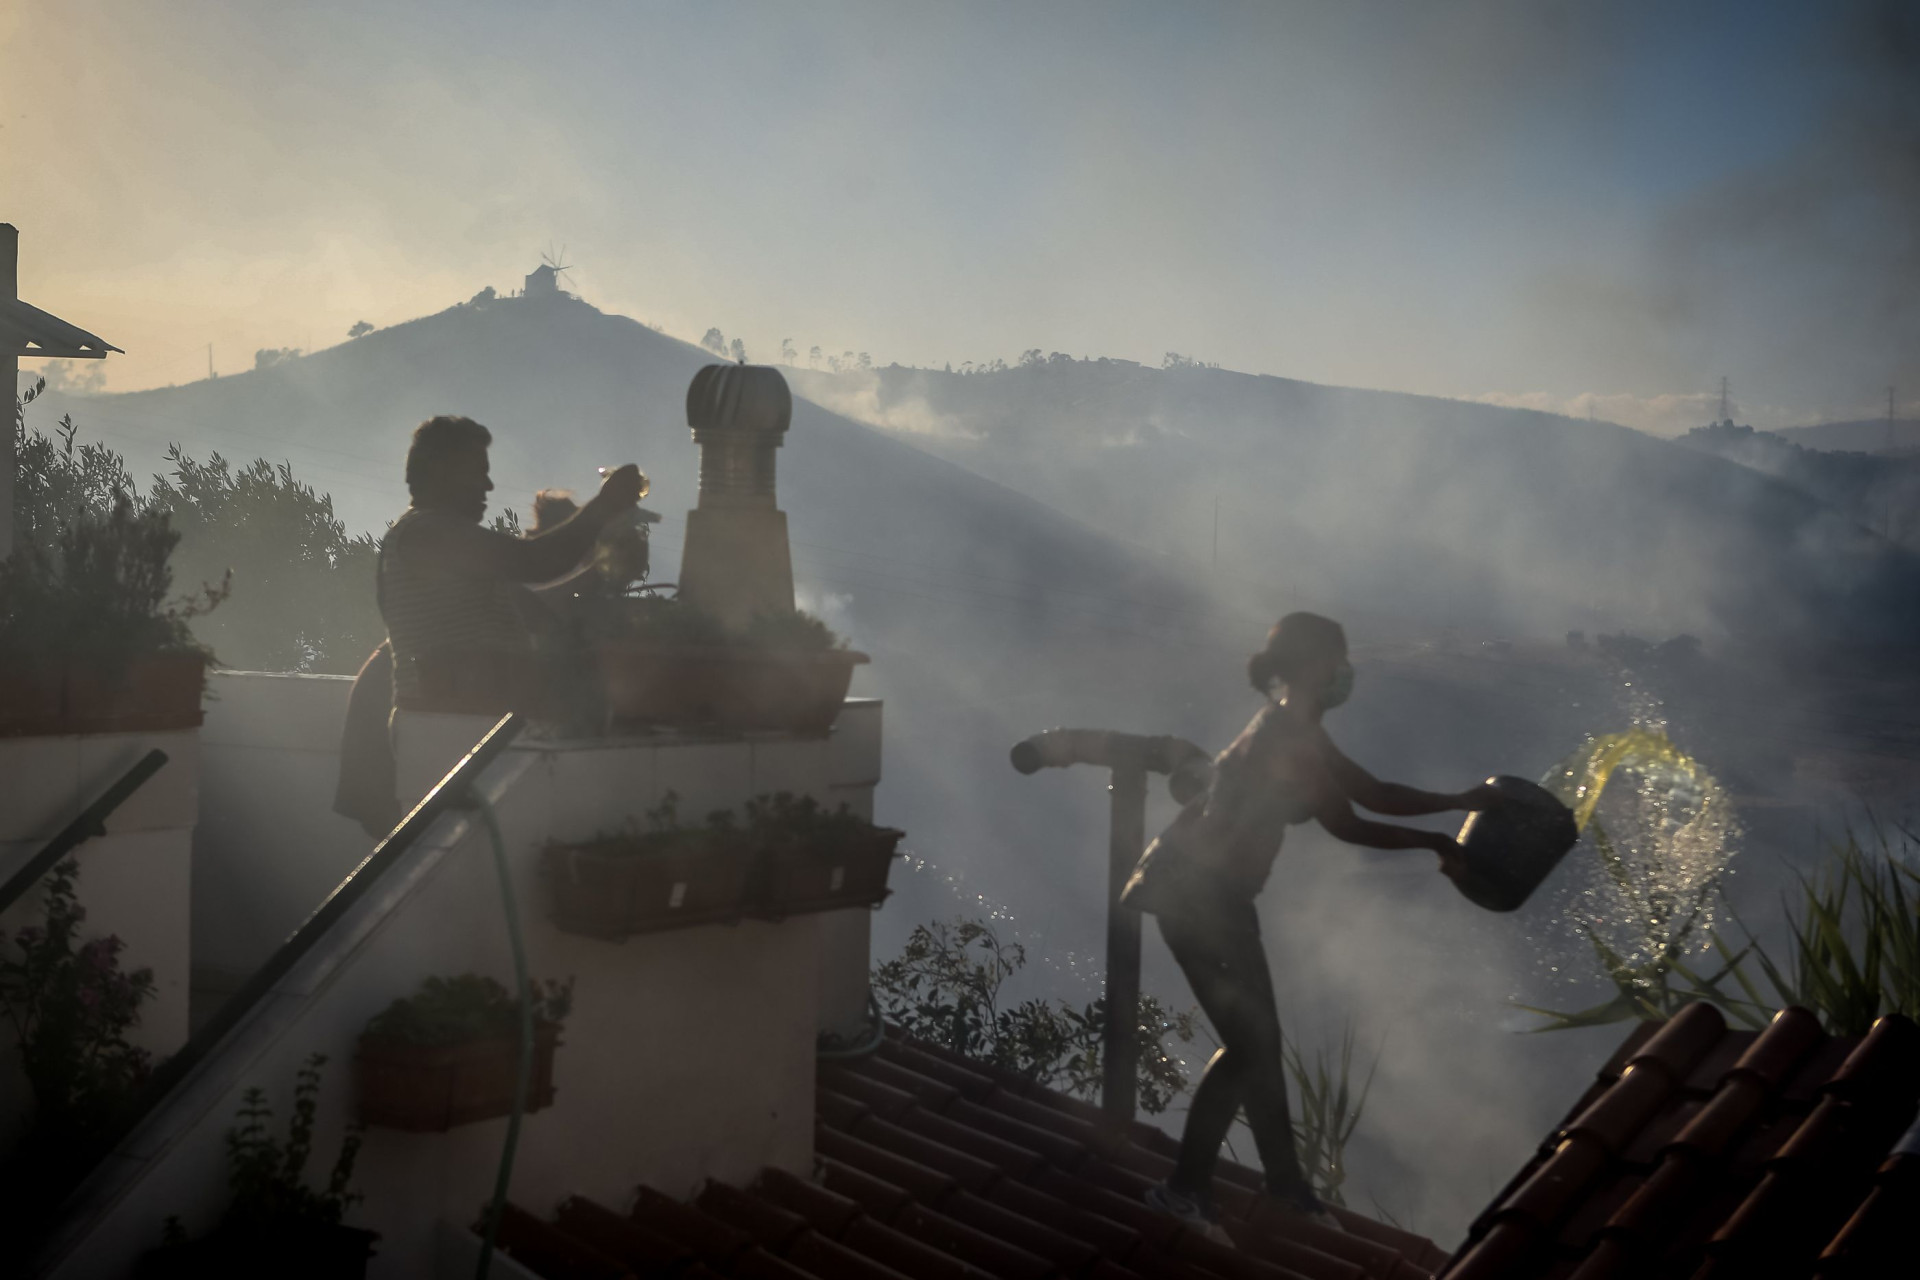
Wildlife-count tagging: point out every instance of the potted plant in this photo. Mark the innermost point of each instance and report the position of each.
(88, 640)
(622, 883)
(811, 859)
(663, 662)
(449, 1054)
(275, 1225)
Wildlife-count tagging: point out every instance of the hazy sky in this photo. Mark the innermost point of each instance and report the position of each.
(1533, 202)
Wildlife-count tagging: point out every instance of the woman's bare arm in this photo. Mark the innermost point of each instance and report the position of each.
(1391, 798)
(1334, 812)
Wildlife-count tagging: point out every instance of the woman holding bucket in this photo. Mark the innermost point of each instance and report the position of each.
(1200, 877)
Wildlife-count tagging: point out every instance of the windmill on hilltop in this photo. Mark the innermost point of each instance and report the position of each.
(544, 280)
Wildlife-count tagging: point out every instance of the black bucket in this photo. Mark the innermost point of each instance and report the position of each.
(1510, 848)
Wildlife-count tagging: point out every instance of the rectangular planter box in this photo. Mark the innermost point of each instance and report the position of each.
(832, 876)
(61, 696)
(606, 890)
(731, 689)
(432, 1088)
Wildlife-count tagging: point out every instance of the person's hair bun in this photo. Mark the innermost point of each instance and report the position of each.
(1295, 641)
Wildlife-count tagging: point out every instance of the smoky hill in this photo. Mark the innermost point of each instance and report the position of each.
(1428, 513)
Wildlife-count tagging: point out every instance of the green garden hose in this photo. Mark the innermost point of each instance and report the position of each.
(505, 1175)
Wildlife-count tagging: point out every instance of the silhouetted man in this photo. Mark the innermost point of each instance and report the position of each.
(452, 591)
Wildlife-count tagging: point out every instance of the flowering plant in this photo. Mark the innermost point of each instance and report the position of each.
(71, 1007)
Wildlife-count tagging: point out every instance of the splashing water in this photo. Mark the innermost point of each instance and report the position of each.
(1662, 835)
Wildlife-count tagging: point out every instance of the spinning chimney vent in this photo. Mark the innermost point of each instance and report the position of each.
(736, 564)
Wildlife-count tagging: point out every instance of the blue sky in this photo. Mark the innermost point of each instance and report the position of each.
(1557, 204)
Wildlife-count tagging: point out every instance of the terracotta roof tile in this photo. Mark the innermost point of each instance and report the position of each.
(871, 1192)
(934, 1167)
(901, 1175)
(645, 1252)
(1710, 1153)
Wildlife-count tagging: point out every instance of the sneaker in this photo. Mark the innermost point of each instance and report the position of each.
(1302, 1203)
(1196, 1212)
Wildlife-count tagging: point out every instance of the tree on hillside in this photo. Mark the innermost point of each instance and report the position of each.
(302, 589)
(303, 597)
(1030, 357)
(813, 357)
(738, 351)
(360, 328)
(865, 361)
(715, 341)
(787, 354)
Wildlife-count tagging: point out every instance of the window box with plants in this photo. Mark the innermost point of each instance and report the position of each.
(449, 1054)
(627, 882)
(89, 642)
(663, 663)
(813, 860)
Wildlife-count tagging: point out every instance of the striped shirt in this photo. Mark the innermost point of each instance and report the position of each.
(435, 611)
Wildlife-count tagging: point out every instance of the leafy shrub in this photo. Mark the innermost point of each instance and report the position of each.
(303, 590)
(795, 632)
(944, 987)
(267, 1176)
(71, 1006)
(99, 592)
(464, 1008)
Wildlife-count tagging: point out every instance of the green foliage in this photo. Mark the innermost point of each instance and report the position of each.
(464, 1008)
(795, 632)
(944, 987)
(267, 1176)
(669, 624)
(1328, 1113)
(1854, 945)
(1657, 987)
(99, 591)
(783, 815)
(301, 588)
(1853, 954)
(70, 1007)
(303, 591)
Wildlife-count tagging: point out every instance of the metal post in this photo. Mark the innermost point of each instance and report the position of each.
(1127, 820)
(1129, 757)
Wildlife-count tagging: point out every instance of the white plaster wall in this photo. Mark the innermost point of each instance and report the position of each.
(689, 1054)
(268, 848)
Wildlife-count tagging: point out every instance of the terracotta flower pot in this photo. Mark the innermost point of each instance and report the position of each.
(432, 1088)
(156, 691)
(33, 695)
(727, 688)
(616, 888)
(44, 696)
(812, 876)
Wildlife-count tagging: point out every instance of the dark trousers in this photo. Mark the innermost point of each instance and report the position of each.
(1218, 948)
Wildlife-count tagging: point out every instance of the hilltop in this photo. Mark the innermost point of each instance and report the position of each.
(1867, 435)
(1879, 491)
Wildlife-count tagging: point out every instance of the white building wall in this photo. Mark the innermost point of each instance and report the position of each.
(689, 1054)
(268, 848)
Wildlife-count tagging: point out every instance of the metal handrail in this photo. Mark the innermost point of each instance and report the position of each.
(451, 793)
(91, 822)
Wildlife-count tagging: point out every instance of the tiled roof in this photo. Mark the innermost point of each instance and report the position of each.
(1707, 1154)
(930, 1165)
